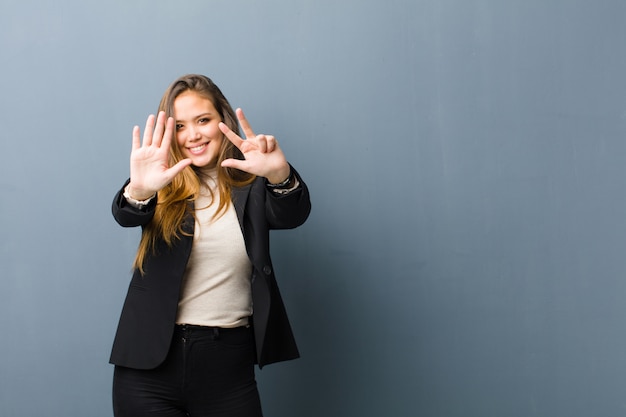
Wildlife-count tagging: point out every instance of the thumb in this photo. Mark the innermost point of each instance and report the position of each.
(234, 163)
(178, 168)
(182, 164)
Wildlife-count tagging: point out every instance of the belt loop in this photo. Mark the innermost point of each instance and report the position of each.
(216, 333)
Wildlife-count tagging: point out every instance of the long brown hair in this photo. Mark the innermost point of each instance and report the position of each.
(173, 201)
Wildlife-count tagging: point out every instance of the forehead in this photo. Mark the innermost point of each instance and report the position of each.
(190, 104)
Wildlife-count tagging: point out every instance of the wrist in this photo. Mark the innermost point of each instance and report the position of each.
(138, 204)
(137, 195)
(280, 177)
(286, 183)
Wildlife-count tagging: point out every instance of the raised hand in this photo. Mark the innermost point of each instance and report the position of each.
(149, 161)
(263, 156)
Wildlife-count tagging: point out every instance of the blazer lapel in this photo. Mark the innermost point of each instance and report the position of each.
(239, 198)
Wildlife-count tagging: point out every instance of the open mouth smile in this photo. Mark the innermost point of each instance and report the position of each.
(198, 149)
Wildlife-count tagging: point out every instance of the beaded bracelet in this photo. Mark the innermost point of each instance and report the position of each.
(134, 202)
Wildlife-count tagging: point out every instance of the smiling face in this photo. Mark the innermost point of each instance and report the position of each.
(197, 131)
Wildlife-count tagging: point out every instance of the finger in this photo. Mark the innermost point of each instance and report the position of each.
(136, 138)
(147, 133)
(157, 135)
(272, 143)
(168, 134)
(261, 141)
(245, 126)
(232, 136)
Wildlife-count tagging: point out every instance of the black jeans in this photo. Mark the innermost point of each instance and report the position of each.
(209, 372)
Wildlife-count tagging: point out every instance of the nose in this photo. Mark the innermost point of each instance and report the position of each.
(194, 133)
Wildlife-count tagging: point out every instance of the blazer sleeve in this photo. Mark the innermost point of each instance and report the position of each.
(287, 211)
(129, 216)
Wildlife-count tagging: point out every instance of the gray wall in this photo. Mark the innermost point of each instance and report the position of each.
(466, 252)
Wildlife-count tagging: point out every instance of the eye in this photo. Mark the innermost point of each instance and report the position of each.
(204, 120)
(179, 126)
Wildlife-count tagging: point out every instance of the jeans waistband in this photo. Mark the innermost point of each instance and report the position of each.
(215, 332)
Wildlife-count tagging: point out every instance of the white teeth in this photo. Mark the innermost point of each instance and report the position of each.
(197, 148)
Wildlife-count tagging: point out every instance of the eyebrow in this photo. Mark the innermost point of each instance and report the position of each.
(209, 114)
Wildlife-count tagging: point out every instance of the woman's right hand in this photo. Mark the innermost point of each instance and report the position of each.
(149, 161)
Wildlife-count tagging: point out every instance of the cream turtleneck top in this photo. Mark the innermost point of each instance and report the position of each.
(216, 284)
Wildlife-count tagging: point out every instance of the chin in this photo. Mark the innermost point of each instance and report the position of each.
(201, 164)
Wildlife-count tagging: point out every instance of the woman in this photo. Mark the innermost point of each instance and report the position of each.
(203, 305)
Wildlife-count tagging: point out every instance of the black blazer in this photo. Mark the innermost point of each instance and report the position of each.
(148, 317)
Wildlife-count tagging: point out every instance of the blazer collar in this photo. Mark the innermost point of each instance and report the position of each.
(239, 197)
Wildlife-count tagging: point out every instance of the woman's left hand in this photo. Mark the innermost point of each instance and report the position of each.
(263, 156)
